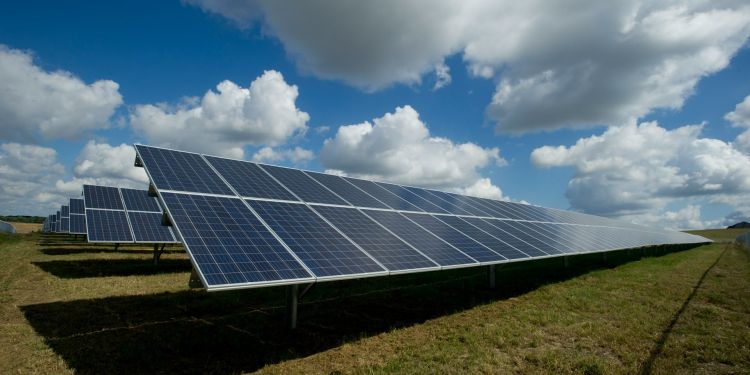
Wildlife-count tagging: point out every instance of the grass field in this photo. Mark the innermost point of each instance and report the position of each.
(67, 307)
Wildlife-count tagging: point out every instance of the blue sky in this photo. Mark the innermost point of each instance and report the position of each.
(511, 91)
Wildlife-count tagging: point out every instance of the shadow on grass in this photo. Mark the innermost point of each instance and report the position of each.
(97, 250)
(239, 331)
(74, 269)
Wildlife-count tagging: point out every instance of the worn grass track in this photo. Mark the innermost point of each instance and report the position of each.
(76, 308)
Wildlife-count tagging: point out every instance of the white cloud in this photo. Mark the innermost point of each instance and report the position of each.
(26, 171)
(688, 217)
(639, 169)
(442, 76)
(600, 63)
(34, 102)
(225, 121)
(398, 147)
(297, 155)
(740, 118)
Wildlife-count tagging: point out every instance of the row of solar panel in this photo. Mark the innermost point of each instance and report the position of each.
(188, 172)
(233, 248)
(124, 215)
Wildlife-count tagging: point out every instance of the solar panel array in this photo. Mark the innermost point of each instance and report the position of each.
(246, 224)
(120, 215)
(77, 216)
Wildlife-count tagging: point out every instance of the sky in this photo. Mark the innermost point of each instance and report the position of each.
(638, 110)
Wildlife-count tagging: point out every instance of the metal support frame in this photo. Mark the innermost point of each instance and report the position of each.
(604, 257)
(492, 276)
(293, 295)
(195, 281)
(566, 262)
(158, 252)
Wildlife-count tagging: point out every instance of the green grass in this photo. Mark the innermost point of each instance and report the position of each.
(67, 307)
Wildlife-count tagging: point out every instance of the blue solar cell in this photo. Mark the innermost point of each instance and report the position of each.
(447, 205)
(454, 237)
(514, 241)
(500, 210)
(550, 238)
(346, 190)
(181, 171)
(383, 195)
(76, 206)
(139, 200)
(433, 247)
(147, 227)
(386, 248)
(229, 244)
(249, 180)
(303, 186)
(500, 244)
(65, 224)
(412, 198)
(102, 197)
(77, 224)
(65, 211)
(107, 226)
(515, 230)
(323, 250)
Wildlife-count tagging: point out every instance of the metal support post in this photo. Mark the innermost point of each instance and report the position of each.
(291, 305)
(195, 281)
(604, 257)
(157, 254)
(491, 274)
(566, 262)
(116, 246)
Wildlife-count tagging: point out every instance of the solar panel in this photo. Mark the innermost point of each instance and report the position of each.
(345, 190)
(77, 224)
(321, 248)
(181, 171)
(249, 180)
(456, 238)
(382, 194)
(64, 224)
(103, 197)
(64, 211)
(107, 226)
(139, 200)
(412, 198)
(303, 186)
(229, 245)
(148, 228)
(386, 248)
(246, 224)
(430, 245)
(77, 206)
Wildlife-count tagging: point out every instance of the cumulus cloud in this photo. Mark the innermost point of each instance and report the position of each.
(297, 155)
(224, 121)
(25, 172)
(639, 169)
(602, 63)
(398, 147)
(442, 76)
(740, 118)
(36, 103)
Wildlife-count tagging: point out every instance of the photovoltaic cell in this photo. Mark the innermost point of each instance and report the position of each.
(76, 206)
(64, 211)
(496, 243)
(323, 250)
(386, 248)
(544, 236)
(303, 186)
(77, 224)
(249, 180)
(383, 195)
(107, 226)
(147, 227)
(103, 197)
(65, 224)
(446, 206)
(431, 246)
(412, 198)
(229, 244)
(346, 190)
(454, 237)
(516, 231)
(181, 171)
(139, 200)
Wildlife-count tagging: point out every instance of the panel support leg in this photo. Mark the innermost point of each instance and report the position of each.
(116, 246)
(492, 277)
(195, 281)
(292, 294)
(566, 262)
(604, 258)
(157, 253)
